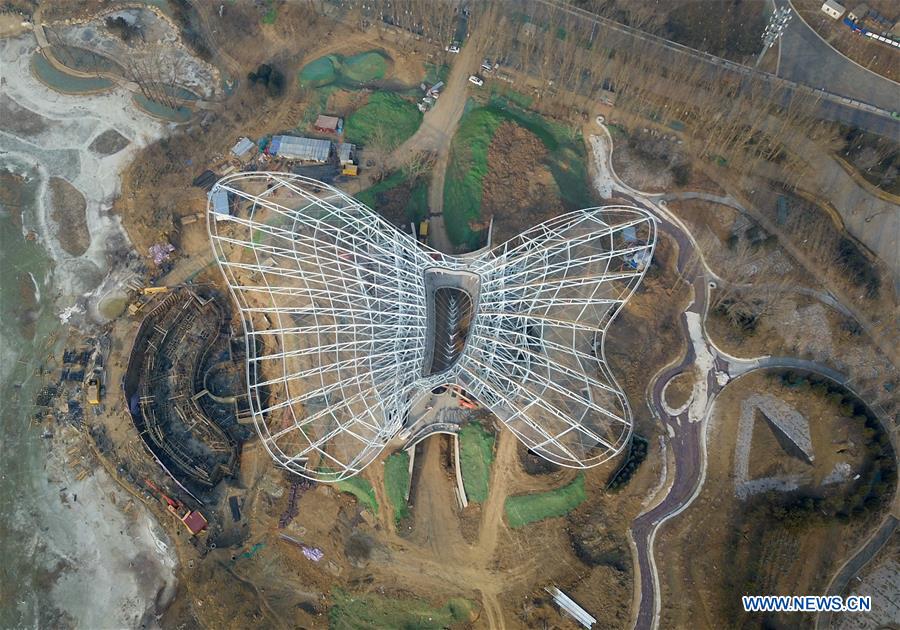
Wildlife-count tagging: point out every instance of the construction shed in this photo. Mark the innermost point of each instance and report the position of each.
(329, 124)
(345, 152)
(243, 148)
(219, 202)
(833, 9)
(297, 148)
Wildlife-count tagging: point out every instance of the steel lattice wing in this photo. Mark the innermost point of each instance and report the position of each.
(338, 318)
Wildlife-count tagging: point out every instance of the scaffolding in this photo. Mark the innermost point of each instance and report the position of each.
(164, 385)
(339, 319)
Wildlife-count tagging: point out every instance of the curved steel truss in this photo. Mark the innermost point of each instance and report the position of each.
(342, 323)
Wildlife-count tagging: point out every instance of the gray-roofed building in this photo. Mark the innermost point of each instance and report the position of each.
(297, 148)
(345, 152)
(219, 200)
(243, 148)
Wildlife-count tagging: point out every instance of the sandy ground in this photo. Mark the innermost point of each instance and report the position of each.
(56, 140)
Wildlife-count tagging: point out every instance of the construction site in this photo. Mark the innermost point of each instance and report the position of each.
(184, 389)
(339, 424)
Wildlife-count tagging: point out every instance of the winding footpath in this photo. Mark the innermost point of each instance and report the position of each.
(687, 426)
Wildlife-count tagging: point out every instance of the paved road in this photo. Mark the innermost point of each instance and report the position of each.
(687, 437)
(806, 58)
(855, 564)
(849, 107)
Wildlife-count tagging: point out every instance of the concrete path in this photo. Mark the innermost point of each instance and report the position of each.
(687, 427)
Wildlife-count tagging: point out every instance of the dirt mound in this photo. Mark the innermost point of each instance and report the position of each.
(596, 541)
(534, 464)
(518, 190)
(109, 142)
(69, 213)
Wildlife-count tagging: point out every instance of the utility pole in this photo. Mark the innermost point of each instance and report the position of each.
(778, 21)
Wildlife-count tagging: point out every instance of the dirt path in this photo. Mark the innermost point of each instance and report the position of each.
(437, 131)
(437, 526)
(436, 554)
(492, 516)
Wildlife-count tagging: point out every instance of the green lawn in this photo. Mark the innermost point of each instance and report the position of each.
(361, 489)
(271, 15)
(320, 72)
(396, 479)
(567, 161)
(435, 73)
(476, 452)
(350, 72)
(465, 173)
(530, 508)
(396, 117)
(365, 67)
(370, 611)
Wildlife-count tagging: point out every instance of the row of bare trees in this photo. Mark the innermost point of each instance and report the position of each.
(567, 59)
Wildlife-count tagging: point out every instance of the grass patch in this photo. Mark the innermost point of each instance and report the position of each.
(369, 611)
(361, 489)
(387, 113)
(351, 72)
(396, 479)
(567, 161)
(530, 508)
(365, 67)
(417, 206)
(271, 14)
(465, 173)
(476, 452)
(318, 104)
(369, 196)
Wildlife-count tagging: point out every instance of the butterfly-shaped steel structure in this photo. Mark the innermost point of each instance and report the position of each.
(348, 319)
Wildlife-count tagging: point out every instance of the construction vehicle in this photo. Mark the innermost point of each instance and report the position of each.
(193, 520)
(154, 290)
(423, 231)
(350, 169)
(92, 391)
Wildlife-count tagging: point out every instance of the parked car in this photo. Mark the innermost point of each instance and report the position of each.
(487, 66)
(477, 80)
(453, 48)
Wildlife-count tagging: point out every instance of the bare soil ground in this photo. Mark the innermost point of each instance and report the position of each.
(679, 389)
(109, 142)
(69, 215)
(519, 190)
(705, 554)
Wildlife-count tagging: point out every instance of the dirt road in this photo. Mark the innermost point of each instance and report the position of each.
(436, 554)
(435, 134)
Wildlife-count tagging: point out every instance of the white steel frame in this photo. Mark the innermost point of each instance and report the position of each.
(333, 302)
